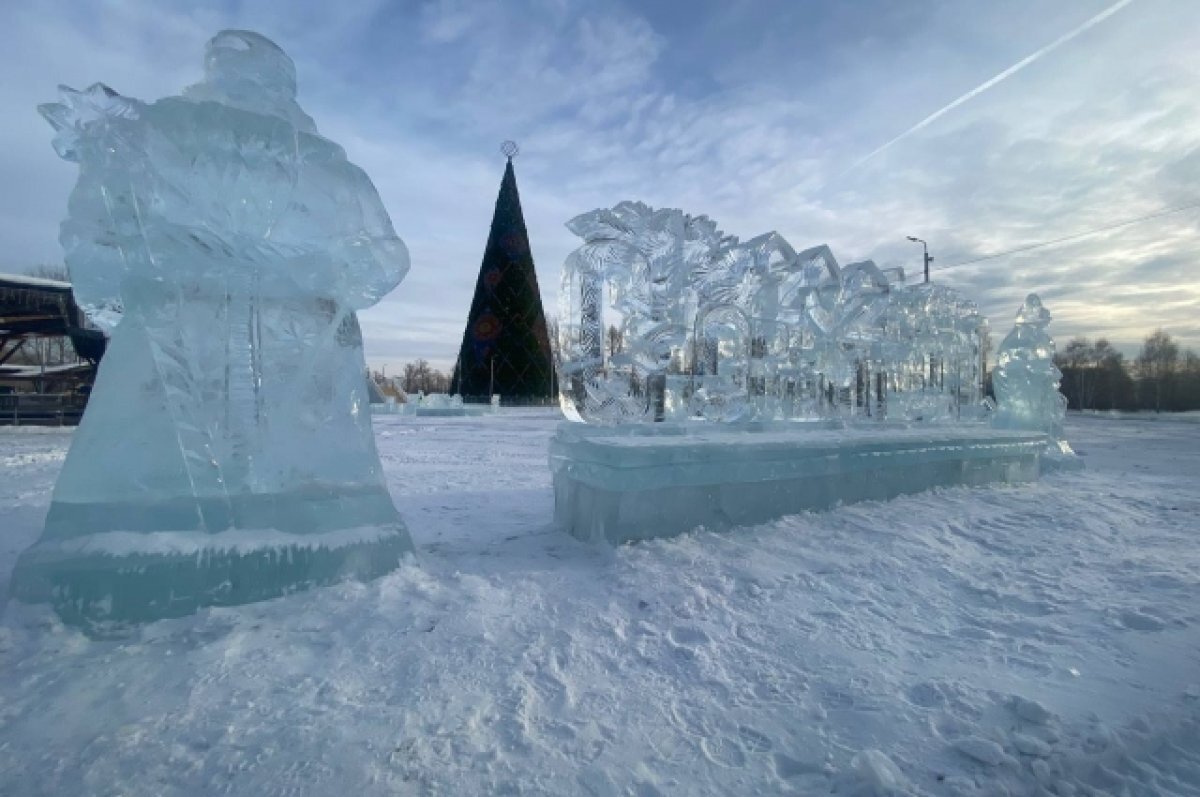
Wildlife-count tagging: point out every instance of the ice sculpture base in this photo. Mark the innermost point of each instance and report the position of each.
(107, 565)
(449, 409)
(617, 485)
(452, 412)
(1061, 459)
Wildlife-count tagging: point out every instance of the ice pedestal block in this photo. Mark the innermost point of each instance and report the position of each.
(447, 412)
(227, 453)
(120, 577)
(439, 405)
(619, 484)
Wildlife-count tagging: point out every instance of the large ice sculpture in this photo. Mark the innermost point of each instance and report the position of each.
(723, 382)
(1026, 380)
(664, 317)
(227, 453)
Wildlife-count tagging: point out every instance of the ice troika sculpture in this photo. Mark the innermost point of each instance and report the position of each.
(722, 382)
(226, 454)
(1026, 380)
(664, 317)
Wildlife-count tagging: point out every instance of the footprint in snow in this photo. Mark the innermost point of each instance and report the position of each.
(772, 689)
(754, 741)
(983, 751)
(550, 690)
(673, 749)
(723, 751)
(787, 767)
(690, 719)
(1031, 711)
(686, 636)
(836, 698)
(1140, 621)
(926, 695)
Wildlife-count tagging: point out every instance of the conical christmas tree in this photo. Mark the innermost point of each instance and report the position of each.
(505, 347)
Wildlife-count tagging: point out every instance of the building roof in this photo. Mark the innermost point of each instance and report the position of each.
(26, 281)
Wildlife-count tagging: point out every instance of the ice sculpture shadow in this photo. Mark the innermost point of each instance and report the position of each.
(227, 454)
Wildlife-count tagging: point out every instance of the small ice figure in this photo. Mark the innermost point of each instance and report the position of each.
(227, 453)
(1026, 379)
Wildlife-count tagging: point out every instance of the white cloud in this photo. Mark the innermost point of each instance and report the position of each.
(744, 112)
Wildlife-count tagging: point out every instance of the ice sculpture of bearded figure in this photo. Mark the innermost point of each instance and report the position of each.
(226, 454)
(1026, 381)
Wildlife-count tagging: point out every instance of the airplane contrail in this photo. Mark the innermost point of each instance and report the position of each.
(1017, 67)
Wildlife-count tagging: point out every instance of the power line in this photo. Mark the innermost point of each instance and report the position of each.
(1096, 231)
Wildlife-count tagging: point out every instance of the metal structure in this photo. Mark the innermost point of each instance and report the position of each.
(33, 308)
(928, 259)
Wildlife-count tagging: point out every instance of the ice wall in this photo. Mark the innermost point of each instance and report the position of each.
(226, 454)
(664, 317)
(619, 484)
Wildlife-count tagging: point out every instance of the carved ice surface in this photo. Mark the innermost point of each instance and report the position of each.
(440, 401)
(783, 381)
(1026, 380)
(664, 317)
(227, 453)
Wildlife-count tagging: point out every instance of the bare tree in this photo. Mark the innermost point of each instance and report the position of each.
(423, 378)
(1075, 361)
(416, 376)
(1112, 387)
(1187, 388)
(1156, 365)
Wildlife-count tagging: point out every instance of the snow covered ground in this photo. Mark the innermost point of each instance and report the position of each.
(963, 641)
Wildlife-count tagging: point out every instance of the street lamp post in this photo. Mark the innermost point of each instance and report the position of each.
(928, 259)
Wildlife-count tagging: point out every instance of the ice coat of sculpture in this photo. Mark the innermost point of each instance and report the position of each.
(227, 453)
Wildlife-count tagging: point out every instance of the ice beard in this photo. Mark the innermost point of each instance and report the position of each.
(227, 453)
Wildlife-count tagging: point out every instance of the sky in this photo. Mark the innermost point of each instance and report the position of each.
(980, 127)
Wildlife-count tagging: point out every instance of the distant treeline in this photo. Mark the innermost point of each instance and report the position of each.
(1161, 378)
(419, 377)
(1096, 376)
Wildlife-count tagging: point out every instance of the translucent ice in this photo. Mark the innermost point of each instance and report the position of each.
(621, 483)
(1026, 379)
(227, 453)
(664, 317)
(440, 401)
